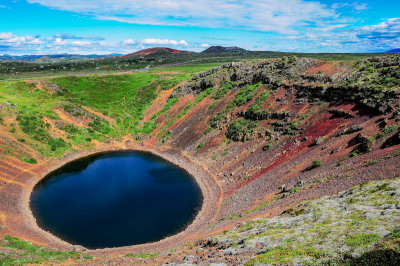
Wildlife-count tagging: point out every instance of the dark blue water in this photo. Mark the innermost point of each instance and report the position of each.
(116, 199)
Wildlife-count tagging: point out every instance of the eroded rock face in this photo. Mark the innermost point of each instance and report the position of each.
(351, 84)
(350, 130)
(365, 143)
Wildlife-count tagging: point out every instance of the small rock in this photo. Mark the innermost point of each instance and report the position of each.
(189, 257)
(200, 251)
(387, 206)
(283, 188)
(230, 252)
(78, 248)
(318, 140)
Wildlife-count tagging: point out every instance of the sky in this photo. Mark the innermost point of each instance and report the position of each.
(125, 26)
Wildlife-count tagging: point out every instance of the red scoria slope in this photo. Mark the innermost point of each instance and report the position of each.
(150, 51)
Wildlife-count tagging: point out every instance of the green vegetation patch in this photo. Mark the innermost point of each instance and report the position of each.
(246, 94)
(316, 163)
(38, 130)
(286, 255)
(142, 255)
(151, 125)
(193, 103)
(241, 130)
(23, 252)
(257, 107)
(328, 231)
(223, 90)
(359, 240)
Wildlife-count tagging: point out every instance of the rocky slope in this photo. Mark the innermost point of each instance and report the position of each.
(266, 135)
(344, 228)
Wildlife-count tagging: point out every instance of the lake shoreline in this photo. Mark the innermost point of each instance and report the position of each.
(28, 229)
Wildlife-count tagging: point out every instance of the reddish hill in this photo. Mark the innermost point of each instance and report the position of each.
(156, 50)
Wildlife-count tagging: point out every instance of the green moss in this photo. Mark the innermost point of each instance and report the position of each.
(285, 255)
(359, 240)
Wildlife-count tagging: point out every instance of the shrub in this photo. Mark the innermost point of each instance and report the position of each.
(30, 161)
(101, 126)
(33, 126)
(316, 163)
(55, 143)
(296, 189)
(207, 131)
(241, 130)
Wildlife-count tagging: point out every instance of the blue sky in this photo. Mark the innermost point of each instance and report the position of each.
(124, 26)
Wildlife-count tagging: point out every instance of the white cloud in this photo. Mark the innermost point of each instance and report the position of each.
(11, 39)
(371, 38)
(205, 45)
(355, 5)
(129, 42)
(80, 43)
(60, 41)
(283, 16)
(164, 42)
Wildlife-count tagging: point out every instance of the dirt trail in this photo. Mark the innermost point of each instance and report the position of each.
(108, 119)
(69, 118)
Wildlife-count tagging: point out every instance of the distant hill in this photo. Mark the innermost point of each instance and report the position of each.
(155, 50)
(54, 57)
(393, 51)
(223, 49)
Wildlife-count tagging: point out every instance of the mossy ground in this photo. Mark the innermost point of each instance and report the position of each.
(349, 228)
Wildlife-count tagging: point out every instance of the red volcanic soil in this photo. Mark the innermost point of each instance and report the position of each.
(154, 50)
